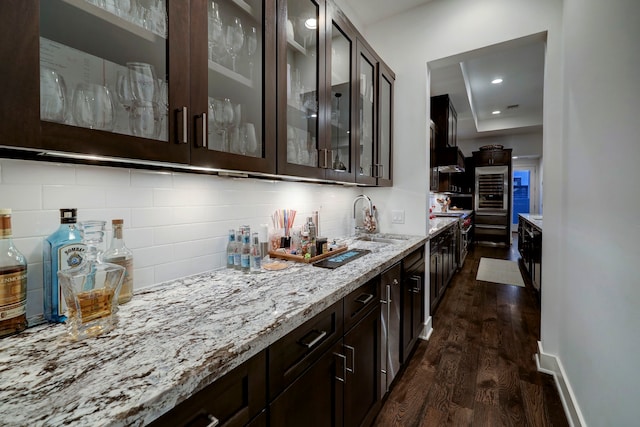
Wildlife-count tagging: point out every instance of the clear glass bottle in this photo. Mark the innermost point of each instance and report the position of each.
(119, 254)
(231, 246)
(61, 250)
(256, 254)
(237, 249)
(13, 281)
(245, 251)
(91, 289)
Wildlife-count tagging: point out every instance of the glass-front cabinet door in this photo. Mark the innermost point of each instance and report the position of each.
(366, 124)
(340, 56)
(300, 73)
(106, 86)
(385, 125)
(233, 84)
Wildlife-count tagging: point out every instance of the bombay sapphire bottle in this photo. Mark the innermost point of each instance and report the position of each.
(61, 251)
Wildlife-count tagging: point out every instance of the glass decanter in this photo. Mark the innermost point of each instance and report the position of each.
(91, 290)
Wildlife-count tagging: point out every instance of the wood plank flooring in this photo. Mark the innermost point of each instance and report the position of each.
(477, 369)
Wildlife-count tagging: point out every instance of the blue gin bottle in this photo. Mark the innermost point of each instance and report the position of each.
(61, 251)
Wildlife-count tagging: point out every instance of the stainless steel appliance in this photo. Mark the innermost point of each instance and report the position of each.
(390, 331)
(492, 222)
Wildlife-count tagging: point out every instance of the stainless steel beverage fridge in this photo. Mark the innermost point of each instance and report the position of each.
(492, 205)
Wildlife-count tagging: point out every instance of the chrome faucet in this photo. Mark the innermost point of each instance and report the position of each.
(355, 201)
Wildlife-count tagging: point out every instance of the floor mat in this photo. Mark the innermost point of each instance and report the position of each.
(499, 271)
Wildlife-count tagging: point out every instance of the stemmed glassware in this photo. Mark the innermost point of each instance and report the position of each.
(93, 107)
(252, 46)
(53, 96)
(234, 40)
(144, 114)
(227, 117)
(217, 45)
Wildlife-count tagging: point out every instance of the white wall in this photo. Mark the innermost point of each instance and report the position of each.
(596, 332)
(590, 297)
(175, 223)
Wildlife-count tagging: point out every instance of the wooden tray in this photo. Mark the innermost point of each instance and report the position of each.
(300, 258)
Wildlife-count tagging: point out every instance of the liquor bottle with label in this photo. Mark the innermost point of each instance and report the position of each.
(62, 250)
(13, 281)
(231, 246)
(119, 254)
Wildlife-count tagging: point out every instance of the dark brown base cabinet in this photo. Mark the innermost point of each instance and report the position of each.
(236, 399)
(413, 296)
(442, 265)
(326, 372)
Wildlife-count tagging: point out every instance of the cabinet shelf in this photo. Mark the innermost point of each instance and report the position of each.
(230, 74)
(244, 6)
(118, 21)
(296, 46)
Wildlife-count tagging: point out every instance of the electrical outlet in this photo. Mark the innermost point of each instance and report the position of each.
(397, 217)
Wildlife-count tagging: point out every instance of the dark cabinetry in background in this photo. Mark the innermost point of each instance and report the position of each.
(445, 118)
(442, 263)
(492, 157)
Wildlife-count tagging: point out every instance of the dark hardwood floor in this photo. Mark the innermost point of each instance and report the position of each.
(478, 367)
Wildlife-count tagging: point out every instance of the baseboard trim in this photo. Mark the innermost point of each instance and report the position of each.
(427, 329)
(551, 364)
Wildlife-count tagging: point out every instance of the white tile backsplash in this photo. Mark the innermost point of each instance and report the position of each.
(176, 224)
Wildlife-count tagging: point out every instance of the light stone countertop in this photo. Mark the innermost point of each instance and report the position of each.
(534, 219)
(172, 340)
(439, 224)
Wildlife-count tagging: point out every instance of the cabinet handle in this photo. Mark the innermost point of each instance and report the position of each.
(205, 131)
(313, 342)
(213, 421)
(353, 358)
(380, 170)
(364, 299)
(344, 367)
(418, 281)
(185, 124)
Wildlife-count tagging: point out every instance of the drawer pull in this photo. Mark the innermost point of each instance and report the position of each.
(344, 367)
(364, 299)
(418, 280)
(353, 358)
(213, 421)
(313, 342)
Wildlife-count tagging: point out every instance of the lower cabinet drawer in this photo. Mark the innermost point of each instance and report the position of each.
(234, 400)
(291, 355)
(359, 302)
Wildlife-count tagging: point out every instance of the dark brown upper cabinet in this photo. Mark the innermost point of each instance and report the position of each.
(260, 86)
(233, 91)
(445, 118)
(374, 122)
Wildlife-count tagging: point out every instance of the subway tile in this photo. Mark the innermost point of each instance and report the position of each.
(152, 256)
(120, 197)
(31, 248)
(172, 270)
(31, 172)
(151, 217)
(136, 238)
(102, 175)
(182, 233)
(105, 214)
(65, 196)
(21, 197)
(191, 180)
(142, 278)
(151, 179)
(194, 248)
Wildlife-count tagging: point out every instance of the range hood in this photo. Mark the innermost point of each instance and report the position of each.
(449, 160)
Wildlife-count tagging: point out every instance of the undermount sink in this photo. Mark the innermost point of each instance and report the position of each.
(378, 239)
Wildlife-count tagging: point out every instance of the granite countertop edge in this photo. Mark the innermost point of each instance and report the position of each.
(149, 364)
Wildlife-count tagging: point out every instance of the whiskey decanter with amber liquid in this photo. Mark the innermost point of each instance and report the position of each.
(91, 290)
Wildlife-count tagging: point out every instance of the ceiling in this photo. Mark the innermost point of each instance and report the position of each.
(467, 78)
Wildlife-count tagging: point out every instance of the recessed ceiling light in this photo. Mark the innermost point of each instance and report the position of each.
(496, 81)
(495, 112)
(311, 23)
(515, 157)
